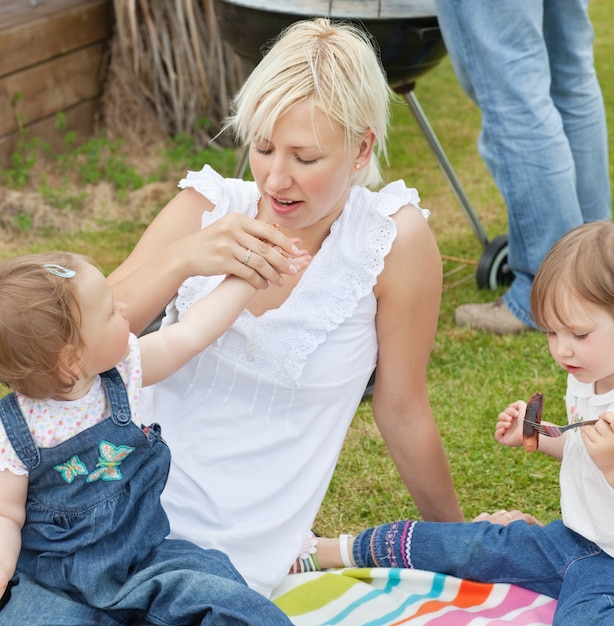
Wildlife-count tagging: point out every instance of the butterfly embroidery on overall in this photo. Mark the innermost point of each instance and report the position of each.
(71, 469)
(109, 459)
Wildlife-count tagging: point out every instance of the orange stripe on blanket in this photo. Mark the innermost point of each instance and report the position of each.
(469, 594)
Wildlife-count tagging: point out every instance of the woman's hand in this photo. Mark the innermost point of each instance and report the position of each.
(505, 517)
(175, 247)
(508, 430)
(248, 248)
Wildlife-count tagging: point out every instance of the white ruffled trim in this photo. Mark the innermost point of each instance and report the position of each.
(344, 271)
(221, 192)
(17, 471)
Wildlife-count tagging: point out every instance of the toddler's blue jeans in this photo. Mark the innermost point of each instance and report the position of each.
(550, 559)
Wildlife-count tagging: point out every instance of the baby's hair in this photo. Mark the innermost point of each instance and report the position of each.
(580, 266)
(39, 323)
(332, 65)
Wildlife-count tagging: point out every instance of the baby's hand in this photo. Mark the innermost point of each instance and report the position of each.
(300, 261)
(599, 441)
(508, 430)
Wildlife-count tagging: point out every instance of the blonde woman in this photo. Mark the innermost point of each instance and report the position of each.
(257, 420)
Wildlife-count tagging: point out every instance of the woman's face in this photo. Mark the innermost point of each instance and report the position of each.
(304, 171)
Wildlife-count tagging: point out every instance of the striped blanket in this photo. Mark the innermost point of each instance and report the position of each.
(391, 597)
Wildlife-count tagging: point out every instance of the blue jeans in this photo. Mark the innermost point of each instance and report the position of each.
(172, 588)
(93, 546)
(552, 560)
(528, 65)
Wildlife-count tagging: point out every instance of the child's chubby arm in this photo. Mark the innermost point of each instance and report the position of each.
(165, 351)
(13, 494)
(508, 430)
(599, 441)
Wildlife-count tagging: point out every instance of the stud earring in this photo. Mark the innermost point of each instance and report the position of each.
(357, 166)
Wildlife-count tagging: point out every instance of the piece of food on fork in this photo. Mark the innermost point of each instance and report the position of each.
(533, 415)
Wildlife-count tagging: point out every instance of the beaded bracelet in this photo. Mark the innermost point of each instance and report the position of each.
(307, 560)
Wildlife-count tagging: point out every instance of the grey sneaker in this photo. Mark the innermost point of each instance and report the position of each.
(493, 317)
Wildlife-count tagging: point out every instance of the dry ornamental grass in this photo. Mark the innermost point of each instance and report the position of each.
(169, 69)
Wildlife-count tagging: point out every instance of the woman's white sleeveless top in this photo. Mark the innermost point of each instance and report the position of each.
(256, 422)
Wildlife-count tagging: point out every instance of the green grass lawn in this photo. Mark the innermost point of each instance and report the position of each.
(472, 376)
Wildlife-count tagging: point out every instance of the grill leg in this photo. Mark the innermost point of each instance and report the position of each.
(445, 166)
(241, 166)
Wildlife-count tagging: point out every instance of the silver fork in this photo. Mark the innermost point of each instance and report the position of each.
(550, 430)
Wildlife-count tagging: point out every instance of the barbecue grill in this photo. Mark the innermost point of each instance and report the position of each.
(410, 45)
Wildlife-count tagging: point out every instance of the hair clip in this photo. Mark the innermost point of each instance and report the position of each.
(59, 270)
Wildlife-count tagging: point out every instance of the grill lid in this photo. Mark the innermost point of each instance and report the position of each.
(347, 9)
(407, 32)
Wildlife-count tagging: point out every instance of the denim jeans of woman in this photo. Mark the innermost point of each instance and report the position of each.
(550, 559)
(528, 65)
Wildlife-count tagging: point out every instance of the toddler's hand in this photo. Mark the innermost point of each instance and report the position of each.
(508, 430)
(599, 441)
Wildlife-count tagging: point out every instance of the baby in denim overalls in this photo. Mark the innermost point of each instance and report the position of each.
(80, 478)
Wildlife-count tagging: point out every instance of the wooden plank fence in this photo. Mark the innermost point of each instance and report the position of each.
(52, 54)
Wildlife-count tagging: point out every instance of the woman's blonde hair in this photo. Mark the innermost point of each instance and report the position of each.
(333, 66)
(579, 266)
(39, 323)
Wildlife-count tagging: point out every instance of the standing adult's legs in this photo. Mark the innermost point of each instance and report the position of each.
(569, 37)
(500, 56)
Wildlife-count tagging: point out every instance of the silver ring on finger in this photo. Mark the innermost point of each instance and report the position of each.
(248, 254)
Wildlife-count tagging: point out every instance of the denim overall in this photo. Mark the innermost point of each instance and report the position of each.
(95, 534)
